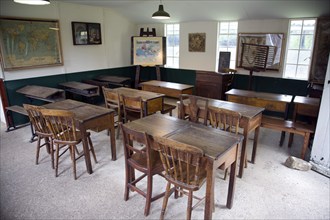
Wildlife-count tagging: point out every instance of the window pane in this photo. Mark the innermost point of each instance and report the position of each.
(233, 27)
(296, 27)
(294, 42)
(290, 71)
(232, 65)
(232, 40)
(224, 27)
(306, 42)
(304, 57)
(292, 56)
(223, 40)
(309, 26)
(302, 72)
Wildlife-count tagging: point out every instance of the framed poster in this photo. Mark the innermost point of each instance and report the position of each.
(197, 42)
(84, 33)
(148, 51)
(254, 43)
(29, 43)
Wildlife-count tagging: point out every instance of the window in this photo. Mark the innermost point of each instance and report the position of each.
(172, 33)
(299, 48)
(227, 40)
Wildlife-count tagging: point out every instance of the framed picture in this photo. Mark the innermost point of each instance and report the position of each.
(29, 43)
(148, 51)
(197, 42)
(260, 50)
(84, 33)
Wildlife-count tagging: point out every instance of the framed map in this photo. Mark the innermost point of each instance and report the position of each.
(148, 51)
(29, 43)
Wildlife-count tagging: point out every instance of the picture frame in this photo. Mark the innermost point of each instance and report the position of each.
(86, 33)
(254, 42)
(29, 43)
(148, 51)
(197, 42)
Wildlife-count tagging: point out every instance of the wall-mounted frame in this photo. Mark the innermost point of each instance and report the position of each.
(197, 42)
(85, 33)
(29, 43)
(148, 51)
(256, 41)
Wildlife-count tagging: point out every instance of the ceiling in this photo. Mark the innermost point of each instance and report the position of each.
(140, 11)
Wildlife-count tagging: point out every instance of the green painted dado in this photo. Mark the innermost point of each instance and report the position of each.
(264, 84)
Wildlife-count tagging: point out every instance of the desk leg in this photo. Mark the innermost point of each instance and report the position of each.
(255, 143)
(209, 194)
(86, 148)
(243, 152)
(232, 180)
(113, 137)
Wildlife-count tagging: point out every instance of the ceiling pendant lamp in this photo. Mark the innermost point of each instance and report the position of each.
(33, 2)
(161, 14)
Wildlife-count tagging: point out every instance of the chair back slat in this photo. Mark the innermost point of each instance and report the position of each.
(224, 119)
(36, 118)
(196, 108)
(182, 162)
(112, 99)
(133, 107)
(61, 123)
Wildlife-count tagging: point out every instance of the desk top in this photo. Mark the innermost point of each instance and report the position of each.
(260, 95)
(78, 85)
(81, 88)
(307, 100)
(83, 111)
(247, 111)
(214, 142)
(145, 95)
(113, 79)
(42, 93)
(169, 85)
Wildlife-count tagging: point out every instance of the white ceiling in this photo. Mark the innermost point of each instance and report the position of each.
(140, 11)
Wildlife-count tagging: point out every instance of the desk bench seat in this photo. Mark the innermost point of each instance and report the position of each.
(168, 108)
(291, 127)
(10, 120)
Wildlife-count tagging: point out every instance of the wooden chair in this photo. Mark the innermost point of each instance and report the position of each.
(226, 120)
(193, 111)
(232, 72)
(61, 123)
(184, 167)
(112, 101)
(143, 159)
(41, 130)
(133, 108)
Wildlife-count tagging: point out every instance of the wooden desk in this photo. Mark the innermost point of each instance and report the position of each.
(152, 102)
(89, 117)
(269, 101)
(42, 93)
(115, 80)
(168, 88)
(251, 120)
(220, 148)
(83, 89)
(305, 106)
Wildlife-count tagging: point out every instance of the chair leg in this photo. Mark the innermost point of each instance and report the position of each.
(57, 152)
(118, 131)
(73, 159)
(38, 150)
(149, 195)
(91, 147)
(127, 181)
(51, 152)
(189, 206)
(165, 200)
(226, 172)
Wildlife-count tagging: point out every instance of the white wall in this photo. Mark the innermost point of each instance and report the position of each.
(198, 60)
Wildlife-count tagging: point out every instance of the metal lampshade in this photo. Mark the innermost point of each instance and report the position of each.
(33, 2)
(161, 14)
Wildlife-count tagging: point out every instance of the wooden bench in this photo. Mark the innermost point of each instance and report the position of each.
(291, 127)
(10, 120)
